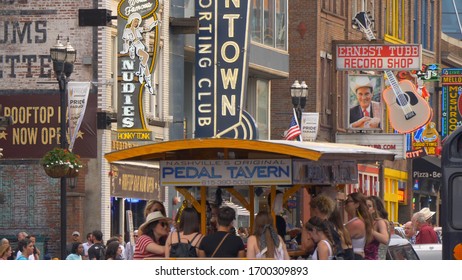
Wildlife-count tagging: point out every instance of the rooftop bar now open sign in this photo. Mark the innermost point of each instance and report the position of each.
(238, 172)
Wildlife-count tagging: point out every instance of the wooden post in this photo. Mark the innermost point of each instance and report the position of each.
(203, 210)
(252, 206)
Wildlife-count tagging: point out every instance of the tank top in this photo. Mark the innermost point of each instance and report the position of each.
(315, 253)
(278, 253)
(371, 250)
(358, 243)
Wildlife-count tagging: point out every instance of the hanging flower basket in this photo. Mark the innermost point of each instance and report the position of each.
(56, 171)
(60, 162)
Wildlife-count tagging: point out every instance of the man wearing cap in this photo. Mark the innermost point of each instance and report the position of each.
(75, 238)
(367, 113)
(426, 234)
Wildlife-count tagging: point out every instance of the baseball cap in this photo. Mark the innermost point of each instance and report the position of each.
(76, 233)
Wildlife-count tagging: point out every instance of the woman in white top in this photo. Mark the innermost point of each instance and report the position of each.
(322, 236)
(265, 242)
(359, 224)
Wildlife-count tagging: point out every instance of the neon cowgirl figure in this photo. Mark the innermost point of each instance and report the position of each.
(132, 44)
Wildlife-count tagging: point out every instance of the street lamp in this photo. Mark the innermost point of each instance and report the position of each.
(299, 92)
(63, 58)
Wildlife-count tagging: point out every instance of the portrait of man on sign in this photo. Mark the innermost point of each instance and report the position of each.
(364, 102)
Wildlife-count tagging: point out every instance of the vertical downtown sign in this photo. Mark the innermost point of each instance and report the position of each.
(136, 61)
(221, 70)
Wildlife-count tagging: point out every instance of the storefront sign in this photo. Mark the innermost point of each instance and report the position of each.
(451, 102)
(35, 127)
(245, 172)
(222, 69)
(429, 73)
(135, 181)
(428, 138)
(395, 143)
(136, 61)
(325, 172)
(424, 169)
(378, 57)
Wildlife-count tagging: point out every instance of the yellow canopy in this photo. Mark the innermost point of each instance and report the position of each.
(213, 148)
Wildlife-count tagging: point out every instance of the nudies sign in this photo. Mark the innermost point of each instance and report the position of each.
(221, 70)
(135, 63)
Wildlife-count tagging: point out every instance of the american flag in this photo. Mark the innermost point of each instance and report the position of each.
(293, 131)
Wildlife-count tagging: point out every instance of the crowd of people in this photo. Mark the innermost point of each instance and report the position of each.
(365, 235)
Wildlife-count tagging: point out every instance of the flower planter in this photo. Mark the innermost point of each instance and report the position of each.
(60, 162)
(57, 171)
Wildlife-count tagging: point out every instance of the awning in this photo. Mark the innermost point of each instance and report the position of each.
(216, 148)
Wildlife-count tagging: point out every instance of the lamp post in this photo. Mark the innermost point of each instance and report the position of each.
(63, 58)
(299, 92)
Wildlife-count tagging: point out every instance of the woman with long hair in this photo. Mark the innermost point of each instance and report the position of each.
(265, 242)
(153, 206)
(150, 234)
(188, 230)
(113, 250)
(5, 251)
(345, 240)
(359, 224)
(380, 231)
(320, 232)
(321, 206)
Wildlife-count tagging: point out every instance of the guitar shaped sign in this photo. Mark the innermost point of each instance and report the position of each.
(407, 110)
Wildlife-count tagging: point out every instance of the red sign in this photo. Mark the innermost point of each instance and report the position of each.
(378, 57)
(35, 127)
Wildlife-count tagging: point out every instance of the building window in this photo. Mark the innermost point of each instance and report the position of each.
(258, 105)
(394, 21)
(334, 6)
(269, 23)
(451, 18)
(424, 19)
(326, 90)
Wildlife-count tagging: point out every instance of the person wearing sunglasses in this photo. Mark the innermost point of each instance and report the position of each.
(150, 234)
(360, 223)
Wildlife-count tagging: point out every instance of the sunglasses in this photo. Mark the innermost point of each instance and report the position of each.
(163, 224)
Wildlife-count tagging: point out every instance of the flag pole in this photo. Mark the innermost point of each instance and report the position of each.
(296, 120)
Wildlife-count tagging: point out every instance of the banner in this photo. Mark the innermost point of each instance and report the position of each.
(36, 126)
(77, 96)
(310, 126)
(136, 62)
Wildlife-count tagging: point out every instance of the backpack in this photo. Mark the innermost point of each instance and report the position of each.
(183, 250)
(100, 251)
